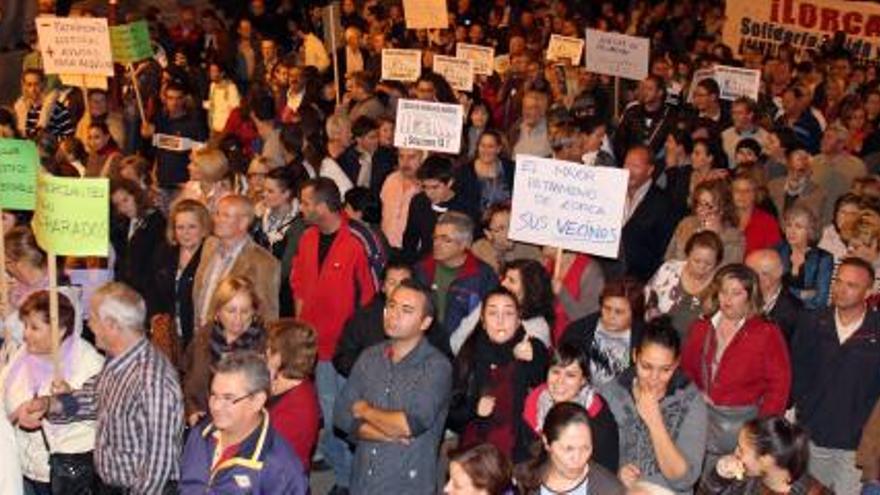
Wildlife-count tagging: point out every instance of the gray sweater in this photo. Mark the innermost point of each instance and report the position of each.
(685, 417)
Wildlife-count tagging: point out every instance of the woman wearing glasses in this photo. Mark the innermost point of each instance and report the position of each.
(713, 209)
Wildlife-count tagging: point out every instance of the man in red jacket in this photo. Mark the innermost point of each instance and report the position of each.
(330, 279)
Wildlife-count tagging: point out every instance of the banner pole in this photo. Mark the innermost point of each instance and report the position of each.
(137, 91)
(53, 314)
(557, 265)
(4, 286)
(616, 98)
(333, 14)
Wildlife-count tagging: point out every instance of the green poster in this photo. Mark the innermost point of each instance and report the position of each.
(130, 42)
(18, 174)
(72, 216)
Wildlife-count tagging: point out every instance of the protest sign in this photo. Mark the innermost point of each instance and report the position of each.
(483, 57)
(458, 72)
(698, 76)
(84, 81)
(565, 47)
(568, 205)
(425, 14)
(75, 45)
(18, 174)
(428, 126)
(615, 54)
(72, 215)
(802, 24)
(736, 81)
(130, 42)
(401, 65)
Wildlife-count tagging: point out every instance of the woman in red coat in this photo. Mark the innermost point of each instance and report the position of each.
(291, 350)
(736, 358)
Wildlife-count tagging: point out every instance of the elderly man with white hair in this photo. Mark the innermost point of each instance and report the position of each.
(136, 401)
(835, 167)
(780, 305)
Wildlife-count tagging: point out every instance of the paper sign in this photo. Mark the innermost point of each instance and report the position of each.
(615, 54)
(458, 72)
(72, 215)
(84, 81)
(18, 174)
(698, 76)
(131, 42)
(483, 57)
(568, 205)
(401, 65)
(736, 81)
(426, 125)
(425, 14)
(170, 142)
(565, 47)
(75, 45)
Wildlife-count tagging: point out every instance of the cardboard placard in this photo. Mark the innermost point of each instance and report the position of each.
(483, 57)
(425, 14)
(458, 72)
(565, 48)
(19, 164)
(130, 42)
(401, 65)
(427, 125)
(615, 54)
(75, 45)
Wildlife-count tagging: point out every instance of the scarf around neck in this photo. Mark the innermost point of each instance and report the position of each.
(251, 340)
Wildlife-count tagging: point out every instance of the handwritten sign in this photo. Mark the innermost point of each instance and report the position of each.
(426, 125)
(72, 215)
(84, 81)
(736, 81)
(619, 55)
(565, 47)
(483, 57)
(75, 45)
(458, 72)
(568, 205)
(18, 174)
(401, 65)
(425, 14)
(130, 42)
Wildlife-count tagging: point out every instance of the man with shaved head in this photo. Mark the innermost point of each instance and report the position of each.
(780, 305)
(232, 252)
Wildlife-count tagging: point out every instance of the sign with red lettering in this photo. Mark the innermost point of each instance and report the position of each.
(804, 24)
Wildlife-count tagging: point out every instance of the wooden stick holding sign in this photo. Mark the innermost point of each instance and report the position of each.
(557, 265)
(333, 13)
(53, 316)
(137, 92)
(4, 287)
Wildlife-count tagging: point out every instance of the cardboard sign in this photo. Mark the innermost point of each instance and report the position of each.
(427, 125)
(84, 81)
(698, 76)
(19, 163)
(75, 45)
(130, 42)
(568, 205)
(72, 216)
(736, 81)
(483, 57)
(425, 14)
(401, 65)
(763, 26)
(619, 55)
(458, 72)
(565, 47)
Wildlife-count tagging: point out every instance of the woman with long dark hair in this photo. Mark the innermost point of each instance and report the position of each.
(564, 463)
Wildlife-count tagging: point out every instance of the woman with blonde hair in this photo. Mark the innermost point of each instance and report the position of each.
(235, 327)
(807, 268)
(207, 170)
(291, 353)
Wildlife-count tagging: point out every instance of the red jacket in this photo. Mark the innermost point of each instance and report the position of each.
(296, 416)
(754, 369)
(330, 295)
(762, 231)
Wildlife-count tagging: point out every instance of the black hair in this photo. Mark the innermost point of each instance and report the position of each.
(567, 354)
(325, 191)
(710, 85)
(263, 108)
(530, 475)
(362, 126)
(660, 331)
(537, 289)
(438, 168)
(857, 262)
(364, 200)
(417, 286)
(787, 443)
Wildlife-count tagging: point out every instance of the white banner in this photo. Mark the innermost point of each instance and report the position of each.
(564, 47)
(75, 45)
(426, 125)
(458, 72)
(736, 81)
(568, 205)
(615, 54)
(483, 57)
(401, 65)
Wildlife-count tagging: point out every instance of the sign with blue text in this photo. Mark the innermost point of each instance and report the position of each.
(568, 205)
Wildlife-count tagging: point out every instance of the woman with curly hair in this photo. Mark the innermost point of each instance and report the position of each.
(713, 209)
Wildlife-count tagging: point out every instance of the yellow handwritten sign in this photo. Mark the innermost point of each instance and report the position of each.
(72, 217)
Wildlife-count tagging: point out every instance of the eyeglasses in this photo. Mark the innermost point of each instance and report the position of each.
(229, 400)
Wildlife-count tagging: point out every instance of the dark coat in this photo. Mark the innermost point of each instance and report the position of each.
(647, 233)
(581, 334)
(133, 254)
(785, 313)
(170, 294)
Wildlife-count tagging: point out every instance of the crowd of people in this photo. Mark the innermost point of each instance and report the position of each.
(287, 291)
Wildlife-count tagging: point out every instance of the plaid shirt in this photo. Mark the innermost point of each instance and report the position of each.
(138, 406)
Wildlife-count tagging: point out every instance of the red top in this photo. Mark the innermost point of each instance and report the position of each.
(572, 284)
(762, 231)
(530, 408)
(331, 293)
(244, 129)
(754, 369)
(296, 415)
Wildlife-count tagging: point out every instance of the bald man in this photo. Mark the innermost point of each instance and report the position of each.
(780, 305)
(232, 252)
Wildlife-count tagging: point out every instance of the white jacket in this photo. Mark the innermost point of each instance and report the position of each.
(68, 438)
(10, 471)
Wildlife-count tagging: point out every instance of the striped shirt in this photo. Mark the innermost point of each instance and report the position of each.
(60, 123)
(138, 405)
